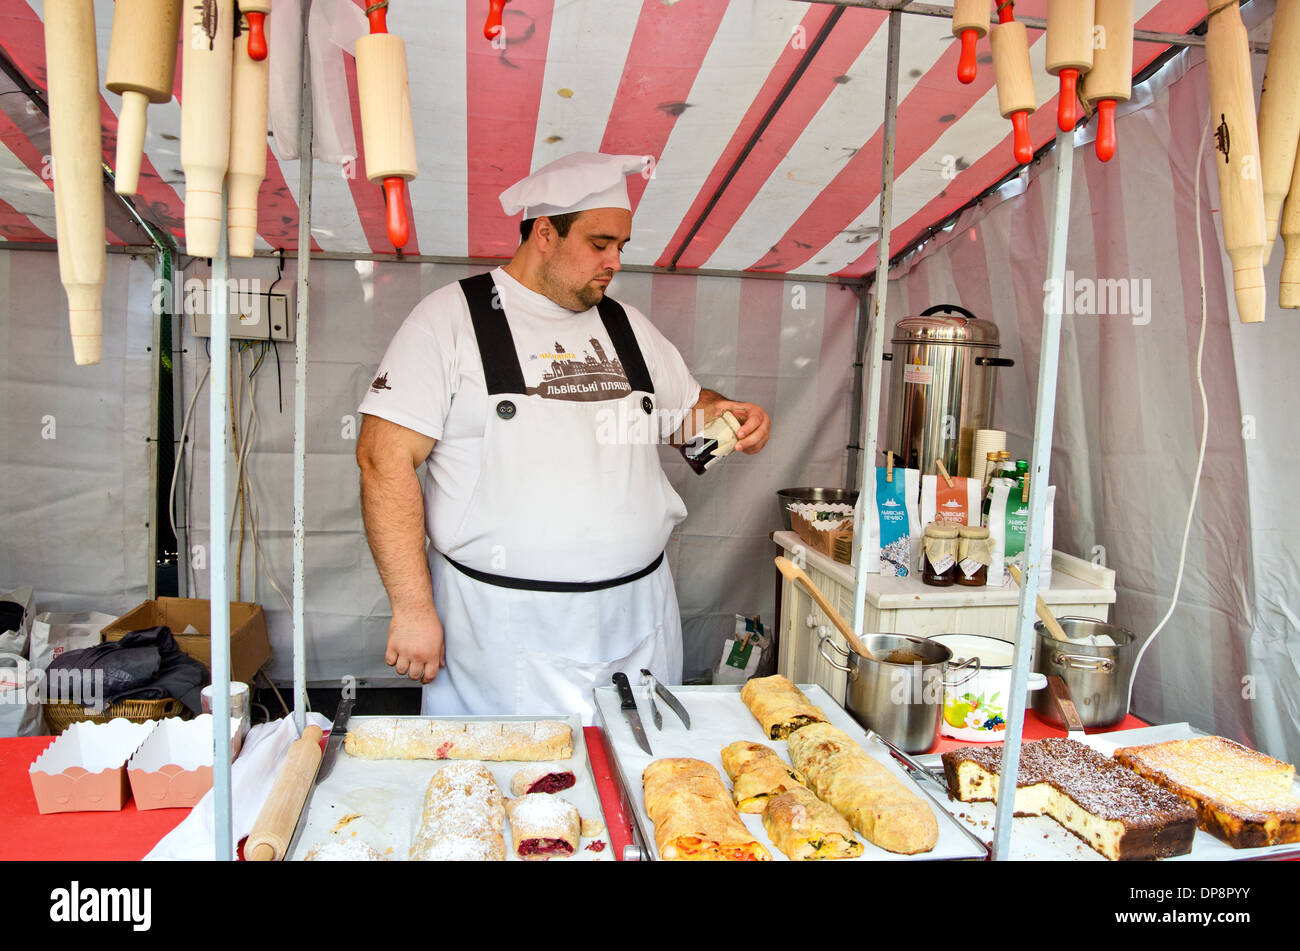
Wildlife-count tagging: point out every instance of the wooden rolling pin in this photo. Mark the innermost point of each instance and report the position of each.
(255, 12)
(1069, 54)
(1289, 286)
(274, 827)
(1279, 115)
(73, 76)
(141, 68)
(1241, 190)
(1015, 78)
(970, 21)
(1111, 78)
(205, 119)
(388, 134)
(248, 93)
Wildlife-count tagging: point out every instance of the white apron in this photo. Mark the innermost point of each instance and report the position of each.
(558, 502)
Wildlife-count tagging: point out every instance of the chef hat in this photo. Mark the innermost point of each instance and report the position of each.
(575, 182)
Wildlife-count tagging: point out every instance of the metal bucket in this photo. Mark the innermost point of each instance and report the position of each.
(902, 699)
(1099, 677)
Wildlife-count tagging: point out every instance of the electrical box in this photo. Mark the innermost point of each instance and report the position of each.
(254, 313)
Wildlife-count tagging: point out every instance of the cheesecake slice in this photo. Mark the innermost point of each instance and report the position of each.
(1113, 809)
(1240, 795)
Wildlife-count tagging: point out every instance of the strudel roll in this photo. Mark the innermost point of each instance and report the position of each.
(693, 815)
(542, 778)
(757, 773)
(779, 706)
(543, 826)
(493, 740)
(464, 813)
(1240, 795)
(873, 799)
(804, 827)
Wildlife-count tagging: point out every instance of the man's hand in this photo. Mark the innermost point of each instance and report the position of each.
(415, 644)
(755, 424)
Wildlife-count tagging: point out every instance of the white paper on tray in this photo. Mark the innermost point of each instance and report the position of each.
(1036, 838)
(718, 718)
(380, 802)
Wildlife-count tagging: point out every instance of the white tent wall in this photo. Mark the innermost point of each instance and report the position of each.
(786, 345)
(1128, 414)
(74, 476)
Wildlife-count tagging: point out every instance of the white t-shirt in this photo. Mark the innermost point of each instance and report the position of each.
(431, 379)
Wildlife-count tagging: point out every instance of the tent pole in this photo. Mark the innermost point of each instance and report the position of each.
(218, 447)
(879, 292)
(1040, 457)
(300, 386)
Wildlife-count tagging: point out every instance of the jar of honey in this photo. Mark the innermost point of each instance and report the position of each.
(939, 554)
(974, 554)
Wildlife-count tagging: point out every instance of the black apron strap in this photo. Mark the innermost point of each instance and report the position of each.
(525, 584)
(614, 317)
(496, 345)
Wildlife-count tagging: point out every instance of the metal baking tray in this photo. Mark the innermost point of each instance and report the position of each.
(718, 717)
(1038, 838)
(386, 797)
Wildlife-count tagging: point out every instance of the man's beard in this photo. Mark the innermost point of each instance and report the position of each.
(584, 297)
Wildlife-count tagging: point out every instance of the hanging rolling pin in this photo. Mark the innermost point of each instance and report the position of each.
(1015, 78)
(970, 21)
(206, 60)
(248, 96)
(274, 827)
(1111, 78)
(73, 78)
(141, 69)
(387, 131)
(1069, 54)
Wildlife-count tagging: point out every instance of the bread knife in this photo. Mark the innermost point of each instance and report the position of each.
(627, 703)
(338, 732)
(674, 704)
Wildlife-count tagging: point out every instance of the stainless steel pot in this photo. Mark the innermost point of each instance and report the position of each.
(901, 701)
(1099, 677)
(942, 386)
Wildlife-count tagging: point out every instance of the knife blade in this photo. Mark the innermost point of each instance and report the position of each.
(674, 704)
(647, 679)
(338, 732)
(627, 703)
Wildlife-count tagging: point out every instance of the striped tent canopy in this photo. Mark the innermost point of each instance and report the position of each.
(764, 119)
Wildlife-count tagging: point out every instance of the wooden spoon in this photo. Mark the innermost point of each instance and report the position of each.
(800, 577)
(1046, 616)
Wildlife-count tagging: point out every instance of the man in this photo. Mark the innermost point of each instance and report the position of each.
(525, 390)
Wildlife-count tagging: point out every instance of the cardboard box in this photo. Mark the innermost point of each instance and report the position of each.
(173, 767)
(84, 770)
(250, 647)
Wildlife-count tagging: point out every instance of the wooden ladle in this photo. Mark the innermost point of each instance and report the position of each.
(1047, 617)
(800, 577)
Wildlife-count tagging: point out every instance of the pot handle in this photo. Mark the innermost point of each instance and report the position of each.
(994, 362)
(1102, 665)
(843, 650)
(971, 671)
(948, 309)
(821, 649)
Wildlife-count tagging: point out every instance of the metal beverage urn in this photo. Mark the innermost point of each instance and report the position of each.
(942, 387)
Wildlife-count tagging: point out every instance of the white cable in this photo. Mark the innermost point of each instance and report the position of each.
(184, 553)
(1205, 412)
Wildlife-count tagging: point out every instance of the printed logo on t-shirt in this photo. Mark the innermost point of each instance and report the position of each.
(564, 374)
(380, 383)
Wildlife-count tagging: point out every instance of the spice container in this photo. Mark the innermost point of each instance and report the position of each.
(939, 554)
(974, 554)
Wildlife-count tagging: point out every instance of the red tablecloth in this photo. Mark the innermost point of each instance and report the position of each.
(131, 833)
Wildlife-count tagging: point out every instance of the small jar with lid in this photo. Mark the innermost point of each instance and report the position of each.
(939, 554)
(974, 554)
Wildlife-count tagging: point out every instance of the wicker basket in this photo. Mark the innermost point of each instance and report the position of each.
(60, 716)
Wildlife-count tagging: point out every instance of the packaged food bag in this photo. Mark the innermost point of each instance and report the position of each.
(892, 522)
(959, 505)
(741, 654)
(16, 610)
(1008, 522)
(53, 633)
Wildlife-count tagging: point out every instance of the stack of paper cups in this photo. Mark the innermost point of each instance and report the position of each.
(985, 442)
